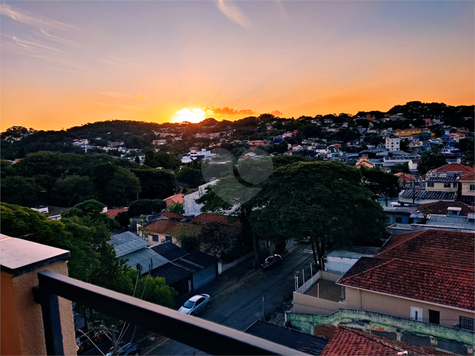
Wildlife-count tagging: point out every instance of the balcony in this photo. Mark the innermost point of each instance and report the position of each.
(37, 318)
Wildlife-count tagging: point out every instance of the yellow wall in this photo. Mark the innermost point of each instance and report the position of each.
(466, 188)
(440, 187)
(363, 300)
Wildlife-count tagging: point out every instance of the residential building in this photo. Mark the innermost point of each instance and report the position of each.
(393, 143)
(420, 278)
(174, 199)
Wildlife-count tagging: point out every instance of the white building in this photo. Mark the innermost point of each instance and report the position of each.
(393, 143)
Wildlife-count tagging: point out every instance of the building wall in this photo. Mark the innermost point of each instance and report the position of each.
(22, 331)
(466, 188)
(204, 276)
(440, 187)
(385, 304)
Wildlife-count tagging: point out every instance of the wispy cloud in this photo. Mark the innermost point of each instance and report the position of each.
(127, 107)
(36, 21)
(229, 111)
(280, 5)
(122, 95)
(233, 13)
(60, 61)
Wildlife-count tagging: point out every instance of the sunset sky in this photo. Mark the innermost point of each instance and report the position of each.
(65, 64)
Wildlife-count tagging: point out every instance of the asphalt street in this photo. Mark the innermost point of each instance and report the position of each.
(237, 296)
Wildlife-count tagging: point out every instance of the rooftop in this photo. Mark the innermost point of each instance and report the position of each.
(441, 207)
(169, 250)
(409, 265)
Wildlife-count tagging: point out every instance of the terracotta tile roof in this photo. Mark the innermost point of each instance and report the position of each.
(114, 212)
(432, 247)
(455, 167)
(404, 177)
(170, 215)
(352, 342)
(468, 178)
(177, 198)
(432, 265)
(222, 219)
(167, 227)
(440, 207)
(325, 331)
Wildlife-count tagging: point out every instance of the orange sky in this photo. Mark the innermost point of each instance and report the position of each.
(69, 63)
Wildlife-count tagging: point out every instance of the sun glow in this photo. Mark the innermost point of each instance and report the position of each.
(193, 115)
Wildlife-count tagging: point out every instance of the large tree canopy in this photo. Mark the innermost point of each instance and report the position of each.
(323, 201)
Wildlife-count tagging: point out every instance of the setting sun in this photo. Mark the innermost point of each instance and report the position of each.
(193, 115)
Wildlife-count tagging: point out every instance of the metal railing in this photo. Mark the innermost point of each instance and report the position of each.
(195, 332)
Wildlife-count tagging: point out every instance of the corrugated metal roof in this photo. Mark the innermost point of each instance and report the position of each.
(146, 258)
(428, 194)
(127, 242)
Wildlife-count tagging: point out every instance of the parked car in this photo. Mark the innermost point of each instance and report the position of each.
(272, 261)
(196, 304)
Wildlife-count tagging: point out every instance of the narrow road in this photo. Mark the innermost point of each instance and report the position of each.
(237, 295)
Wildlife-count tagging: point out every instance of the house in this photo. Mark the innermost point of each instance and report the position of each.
(176, 277)
(114, 212)
(419, 289)
(404, 179)
(467, 188)
(350, 341)
(172, 216)
(191, 207)
(164, 230)
(132, 249)
(175, 199)
(399, 280)
(203, 268)
(53, 212)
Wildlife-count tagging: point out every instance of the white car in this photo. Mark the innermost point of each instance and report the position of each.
(195, 304)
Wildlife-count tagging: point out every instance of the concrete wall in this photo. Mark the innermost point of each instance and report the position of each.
(22, 331)
(466, 188)
(307, 304)
(398, 307)
(204, 276)
(440, 187)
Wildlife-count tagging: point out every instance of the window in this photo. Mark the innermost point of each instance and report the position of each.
(446, 185)
(454, 185)
(472, 187)
(398, 219)
(155, 238)
(416, 313)
(466, 323)
(168, 238)
(430, 184)
(434, 317)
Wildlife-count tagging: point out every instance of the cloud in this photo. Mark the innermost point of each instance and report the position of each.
(280, 5)
(122, 95)
(229, 111)
(30, 20)
(276, 113)
(233, 13)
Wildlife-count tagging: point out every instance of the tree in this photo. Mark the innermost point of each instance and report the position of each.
(20, 190)
(122, 188)
(155, 183)
(188, 235)
(146, 206)
(429, 161)
(380, 182)
(400, 167)
(333, 208)
(176, 208)
(192, 177)
(72, 189)
(215, 237)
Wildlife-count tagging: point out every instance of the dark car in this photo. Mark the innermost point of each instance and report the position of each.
(272, 261)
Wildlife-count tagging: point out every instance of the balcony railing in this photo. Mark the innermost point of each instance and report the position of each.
(195, 332)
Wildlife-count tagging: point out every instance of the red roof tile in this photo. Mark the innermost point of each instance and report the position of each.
(222, 219)
(177, 198)
(455, 167)
(432, 247)
(352, 342)
(167, 227)
(170, 215)
(114, 212)
(432, 265)
(440, 207)
(468, 178)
